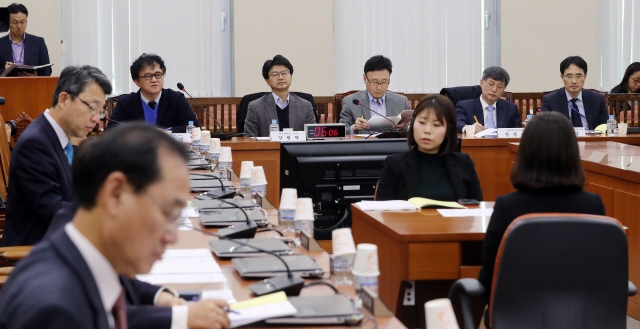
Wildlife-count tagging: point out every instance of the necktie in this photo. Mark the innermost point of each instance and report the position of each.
(378, 101)
(490, 123)
(118, 312)
(152, 105)
(69, 151)
(575, 114)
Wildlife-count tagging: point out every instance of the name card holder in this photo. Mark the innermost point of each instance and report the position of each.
(580, 132)
(287, 136)
(510, 132)
(309, 243)
(599, 157)
(371, 301)
(182, 137)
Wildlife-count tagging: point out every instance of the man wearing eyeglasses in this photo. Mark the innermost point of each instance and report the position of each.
(19, 47)
(152, 103)
(583, 107)
(376, 77)
(287, 109)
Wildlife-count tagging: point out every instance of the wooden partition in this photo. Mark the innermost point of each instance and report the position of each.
(625, 107)
(223, 109)
(527, 102)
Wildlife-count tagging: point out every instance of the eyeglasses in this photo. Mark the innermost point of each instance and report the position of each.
(148, 76)
(636, 81)
(172, 218)
(384, 83)
(275, 75)
(570, 77)
(20, 23)
(92, 111)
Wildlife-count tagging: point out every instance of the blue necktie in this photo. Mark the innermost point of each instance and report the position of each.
(69, 150)
(575, 114)
(490, 123)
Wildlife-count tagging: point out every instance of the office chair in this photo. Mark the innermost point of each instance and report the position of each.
(556, 271)
(243, 108)
(456, 94)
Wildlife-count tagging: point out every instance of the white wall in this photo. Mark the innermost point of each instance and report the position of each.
(300, 30)
(44, 21)
(538, 35)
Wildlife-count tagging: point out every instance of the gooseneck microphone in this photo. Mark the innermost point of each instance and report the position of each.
(220, 135)
(238, 231)
(358, 102)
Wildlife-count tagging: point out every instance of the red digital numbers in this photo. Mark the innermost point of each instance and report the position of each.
(325, 132)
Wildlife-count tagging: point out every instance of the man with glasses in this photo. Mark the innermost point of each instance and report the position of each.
(376, 77)
(152, 103)
(583, 107)
(18, 47)
(287, 109)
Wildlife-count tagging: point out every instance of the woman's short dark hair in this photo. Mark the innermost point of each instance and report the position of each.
(443, 108)
(146, 60)
(623, 87)
(548, 155)
(277, 60)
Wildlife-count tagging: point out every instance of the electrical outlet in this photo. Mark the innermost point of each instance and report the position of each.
(409, 294)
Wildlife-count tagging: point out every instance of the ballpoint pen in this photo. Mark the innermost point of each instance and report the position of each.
(229, 310)
(475, 119)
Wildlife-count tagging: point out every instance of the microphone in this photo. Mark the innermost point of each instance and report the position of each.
(239, 231)
(221, 135)
(290, 283)
(222, 193)
(357, 102)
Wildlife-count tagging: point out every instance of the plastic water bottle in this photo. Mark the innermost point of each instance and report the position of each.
(226, 168)
(612, 125)
(190, 127)
(274, 126)
(529, 116)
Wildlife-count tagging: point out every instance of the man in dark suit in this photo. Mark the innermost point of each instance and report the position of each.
(376, 77)
(135, 178)
(289, 110)
(18, 47)
(583, 107)
(152, 103)
(488, 110)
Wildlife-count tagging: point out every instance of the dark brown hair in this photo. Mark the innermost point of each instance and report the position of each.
(548, 155)
(443, 108)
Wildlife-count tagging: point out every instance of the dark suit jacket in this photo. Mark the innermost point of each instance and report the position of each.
(35, 53)
(52, 288)
(507, 114)
(40, 177)
(263, 110)
(595, 108)
(173, 111)
(400, 176)
(513, 205)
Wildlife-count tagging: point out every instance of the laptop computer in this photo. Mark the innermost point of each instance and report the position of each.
(231, 216)
(213, 204)
(321, 310)
(207, 176)
(202, 185)
(263, 267)
(228, 248)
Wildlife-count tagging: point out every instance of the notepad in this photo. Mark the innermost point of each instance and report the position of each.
(260, 308)
(430, 203)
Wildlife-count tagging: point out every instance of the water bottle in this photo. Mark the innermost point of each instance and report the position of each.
(612, 125)
(190, 127)
(226, 168)
(274, 125)
(528, 119)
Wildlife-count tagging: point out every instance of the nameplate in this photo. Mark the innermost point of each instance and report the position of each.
(309, 243)
(635, 166)
(373, 304)
(183, 138)
(580, 132)
(510, 132)
(598, 157)
(288, 136)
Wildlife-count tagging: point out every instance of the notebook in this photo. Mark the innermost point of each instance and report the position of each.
(321, 310)
(226, 217)
(263, 267)
(228, 248)
(214, 204)
(202, 185)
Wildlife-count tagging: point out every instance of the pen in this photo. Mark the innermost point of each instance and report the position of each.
(228, 310)
(475, 118)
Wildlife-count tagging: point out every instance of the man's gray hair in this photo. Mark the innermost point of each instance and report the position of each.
(496, 73)
(73, 80)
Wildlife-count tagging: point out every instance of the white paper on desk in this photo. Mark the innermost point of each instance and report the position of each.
(391, 205)
(189, 212)
(181, 253)
(486, 132)
(465, 212)
(263, 138)
(224, 294)
(187, 265)
(160, 279)
(378, 122)
(257, 313)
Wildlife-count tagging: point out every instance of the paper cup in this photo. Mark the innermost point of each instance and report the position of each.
(469, 130)
(245, 169)
(257, 176)
(225, 154)
(342, 242)
(205, 140)
(288, 198)
(622, 128)
(214, 145)
(304, 209)
(439, 314)
(366, 263)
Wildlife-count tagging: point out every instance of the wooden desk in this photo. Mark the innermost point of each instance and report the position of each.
(492, 162)
(619, 189)
(420, 246)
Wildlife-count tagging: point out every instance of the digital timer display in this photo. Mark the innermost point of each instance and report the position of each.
(325, 131)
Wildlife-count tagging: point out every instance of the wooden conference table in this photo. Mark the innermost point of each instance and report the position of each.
(240, 287)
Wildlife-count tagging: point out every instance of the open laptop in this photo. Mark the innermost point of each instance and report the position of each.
(213, 204)
(203, 185)
(263, 267)
(231, 216)
(229, 249)
(321, 310)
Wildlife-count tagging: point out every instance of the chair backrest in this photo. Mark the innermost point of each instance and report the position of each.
(241, 115)
(456, 94)
(340, 100)
(561, 271)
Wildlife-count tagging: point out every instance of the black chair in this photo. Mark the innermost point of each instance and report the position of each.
(456, 94)
(241, 113)
(556, 271)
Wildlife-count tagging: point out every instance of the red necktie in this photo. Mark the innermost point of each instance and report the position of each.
(119, 314)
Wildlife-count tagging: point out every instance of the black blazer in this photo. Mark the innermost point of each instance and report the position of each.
(595, 108)
(52, 286)
(507, 114)
(173, 111)
(513, 205)
(400, 175)
(40, 177)
(35, 53)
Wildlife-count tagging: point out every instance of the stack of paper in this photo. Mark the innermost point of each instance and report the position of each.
(260, 308)
(430, 203)
(184, 266)
(392, 205)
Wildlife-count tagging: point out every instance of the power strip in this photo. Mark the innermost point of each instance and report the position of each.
(409, 293)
